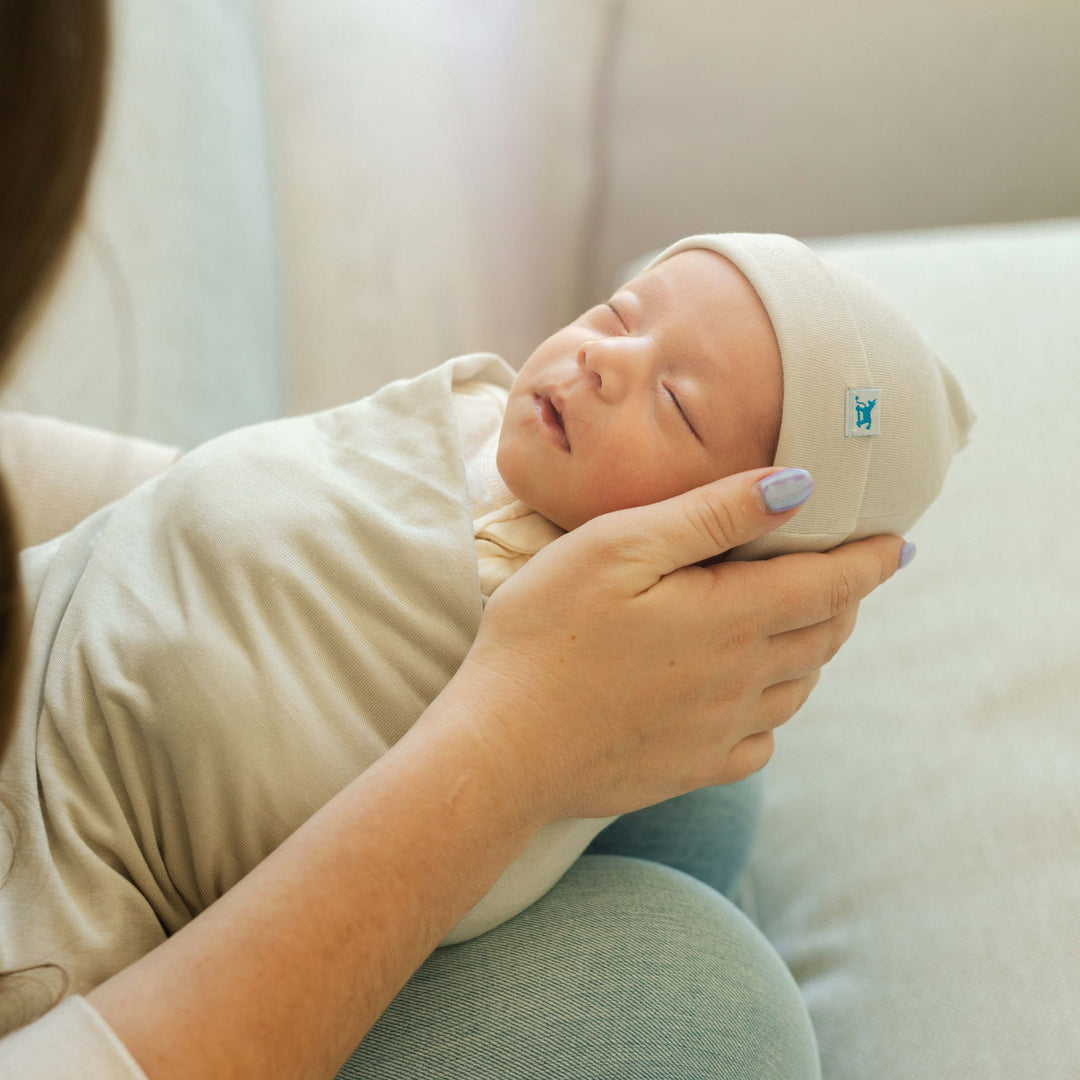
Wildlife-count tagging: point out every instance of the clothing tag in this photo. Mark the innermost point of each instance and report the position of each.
(863, 411)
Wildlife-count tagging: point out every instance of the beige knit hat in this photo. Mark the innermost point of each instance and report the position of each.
(869, 409)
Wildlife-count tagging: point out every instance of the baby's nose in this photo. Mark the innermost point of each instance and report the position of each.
(615, 363)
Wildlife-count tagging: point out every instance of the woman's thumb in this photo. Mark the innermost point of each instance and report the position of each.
(706, 521)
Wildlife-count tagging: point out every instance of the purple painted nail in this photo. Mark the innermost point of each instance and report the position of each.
(786, 490)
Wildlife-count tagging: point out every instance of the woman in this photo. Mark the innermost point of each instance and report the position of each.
(627, 967)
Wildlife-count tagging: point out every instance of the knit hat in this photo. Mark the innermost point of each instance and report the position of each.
(869, 409)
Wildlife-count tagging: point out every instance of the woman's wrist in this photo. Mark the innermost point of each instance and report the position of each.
(488, 721)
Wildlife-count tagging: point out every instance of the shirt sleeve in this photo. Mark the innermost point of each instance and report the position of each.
(70, 1040)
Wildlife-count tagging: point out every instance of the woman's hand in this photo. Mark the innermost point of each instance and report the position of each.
(612, 672)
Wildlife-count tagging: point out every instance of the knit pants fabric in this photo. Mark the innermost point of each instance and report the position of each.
(634, 966)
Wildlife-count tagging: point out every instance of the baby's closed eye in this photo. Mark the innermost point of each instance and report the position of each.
(669, 396)
(614, 311)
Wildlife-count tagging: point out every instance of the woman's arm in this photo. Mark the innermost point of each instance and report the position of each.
(609, 674)
(285, 974)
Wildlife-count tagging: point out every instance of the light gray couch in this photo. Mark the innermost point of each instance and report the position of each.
(299, 202)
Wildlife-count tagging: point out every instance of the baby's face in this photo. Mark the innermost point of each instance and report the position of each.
(675, 382)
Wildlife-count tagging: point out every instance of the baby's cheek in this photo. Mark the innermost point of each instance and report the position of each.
(628, 480)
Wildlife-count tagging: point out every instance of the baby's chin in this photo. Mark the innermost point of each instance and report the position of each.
(563, 516)
(542, 502)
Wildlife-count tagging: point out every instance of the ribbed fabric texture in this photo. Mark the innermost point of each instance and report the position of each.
(625, 970)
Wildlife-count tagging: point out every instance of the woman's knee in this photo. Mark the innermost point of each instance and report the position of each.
(625, 968)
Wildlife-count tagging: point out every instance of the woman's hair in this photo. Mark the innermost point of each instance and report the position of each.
(53, 62)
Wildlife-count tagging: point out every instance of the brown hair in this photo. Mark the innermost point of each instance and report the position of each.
(53, 62)
(53, 59)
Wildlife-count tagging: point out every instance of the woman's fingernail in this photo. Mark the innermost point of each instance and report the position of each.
(907, 553)
(786, 490)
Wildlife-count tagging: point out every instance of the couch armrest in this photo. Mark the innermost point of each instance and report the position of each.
(58, 472)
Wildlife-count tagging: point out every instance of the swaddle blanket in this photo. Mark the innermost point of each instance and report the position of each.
(218, 653)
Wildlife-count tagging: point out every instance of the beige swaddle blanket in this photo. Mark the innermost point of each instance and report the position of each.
(218, 653)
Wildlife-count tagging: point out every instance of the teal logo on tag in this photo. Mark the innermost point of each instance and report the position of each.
(863, 411)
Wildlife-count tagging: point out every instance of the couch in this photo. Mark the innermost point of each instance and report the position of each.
(296, 203)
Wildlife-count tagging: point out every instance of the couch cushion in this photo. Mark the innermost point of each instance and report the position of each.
(165, 320)
(918, 866)
(435, 165)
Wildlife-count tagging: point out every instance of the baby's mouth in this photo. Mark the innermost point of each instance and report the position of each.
(552, 417)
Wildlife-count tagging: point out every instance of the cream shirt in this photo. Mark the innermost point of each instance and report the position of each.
(305, 584)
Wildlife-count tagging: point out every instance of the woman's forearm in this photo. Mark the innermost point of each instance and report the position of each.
(286, 973)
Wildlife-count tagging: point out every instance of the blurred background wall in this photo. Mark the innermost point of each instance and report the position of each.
(297, 202)
(837, 117)
(505, 159)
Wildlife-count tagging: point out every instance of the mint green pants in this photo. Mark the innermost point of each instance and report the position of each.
(634, 966)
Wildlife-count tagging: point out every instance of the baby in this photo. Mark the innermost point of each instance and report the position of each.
(727, 352)
(217, 654)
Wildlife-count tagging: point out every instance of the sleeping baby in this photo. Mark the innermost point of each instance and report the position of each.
(217, 654)
(727, 352)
